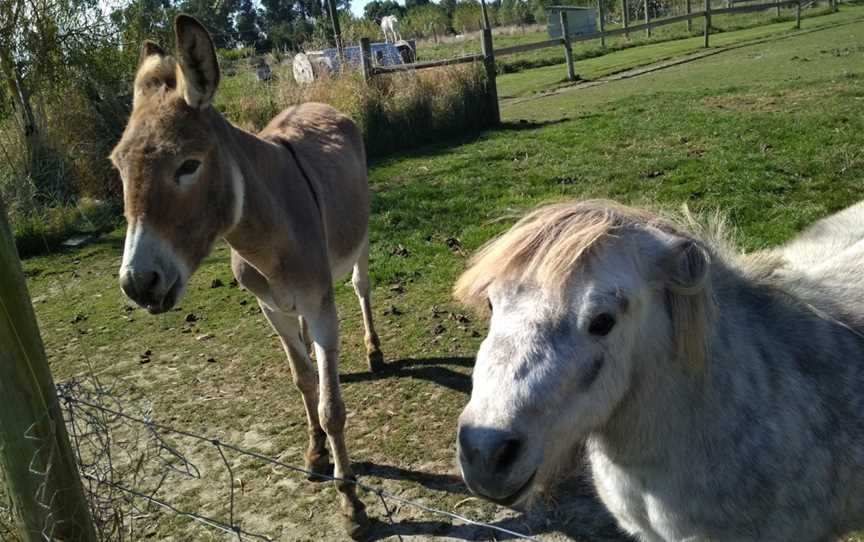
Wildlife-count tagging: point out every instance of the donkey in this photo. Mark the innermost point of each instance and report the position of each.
(718, 396)
(292, 203)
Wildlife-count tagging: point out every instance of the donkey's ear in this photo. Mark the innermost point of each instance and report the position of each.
(148, 49)
(685, 265)
(198, 62)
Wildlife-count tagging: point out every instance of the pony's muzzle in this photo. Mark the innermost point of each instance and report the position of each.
(492, 463)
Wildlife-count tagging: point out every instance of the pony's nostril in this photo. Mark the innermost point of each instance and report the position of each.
(506, 454)
(467, 450)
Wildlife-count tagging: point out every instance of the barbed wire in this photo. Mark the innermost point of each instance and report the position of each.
(102, 431)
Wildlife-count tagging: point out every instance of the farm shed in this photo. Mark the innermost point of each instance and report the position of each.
(579, 20)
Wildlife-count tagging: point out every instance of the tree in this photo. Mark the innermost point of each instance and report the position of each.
(409, 4)
(378, 9)
(429, 20)
(467, 17)
(216, 16)
(516, 12)
(246, 22)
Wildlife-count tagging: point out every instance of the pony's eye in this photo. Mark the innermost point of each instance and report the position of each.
(601, 324)
(188, 167)
(489, 302)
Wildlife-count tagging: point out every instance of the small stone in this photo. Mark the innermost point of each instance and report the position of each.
(439, 329)
(204, 337)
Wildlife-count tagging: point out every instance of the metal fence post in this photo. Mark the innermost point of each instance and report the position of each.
(626, 9)
(40, 468)
(568, 48)
(707, 20)
(647, 19)
(366, 58)
(602, 27)
(489, 64)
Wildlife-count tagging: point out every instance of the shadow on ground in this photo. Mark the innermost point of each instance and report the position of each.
(573, 514)
(432, 369)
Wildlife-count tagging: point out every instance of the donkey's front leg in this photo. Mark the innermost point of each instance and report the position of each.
(324, 329)
(289, 329)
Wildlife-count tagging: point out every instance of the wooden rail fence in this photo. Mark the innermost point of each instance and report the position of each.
(489, 53)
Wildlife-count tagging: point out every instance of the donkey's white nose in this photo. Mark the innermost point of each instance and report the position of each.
(143, 287)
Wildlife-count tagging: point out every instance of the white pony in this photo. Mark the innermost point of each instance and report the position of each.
(719, 397)
(390, 27)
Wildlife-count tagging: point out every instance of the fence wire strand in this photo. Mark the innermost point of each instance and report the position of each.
(117, 480)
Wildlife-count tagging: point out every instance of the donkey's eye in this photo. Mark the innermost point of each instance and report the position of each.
(601, 324)
(189, 167)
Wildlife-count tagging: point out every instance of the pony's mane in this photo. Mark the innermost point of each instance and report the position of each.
(548, 244)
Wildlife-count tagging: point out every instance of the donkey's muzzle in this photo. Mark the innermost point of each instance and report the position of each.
(147, 289)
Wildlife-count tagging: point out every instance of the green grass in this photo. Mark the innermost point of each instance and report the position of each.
(591, 49)
(771, 134)
(543, 79)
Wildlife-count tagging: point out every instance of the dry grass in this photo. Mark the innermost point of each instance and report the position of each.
(395, 112)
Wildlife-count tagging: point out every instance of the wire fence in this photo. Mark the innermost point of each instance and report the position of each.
(131, 466)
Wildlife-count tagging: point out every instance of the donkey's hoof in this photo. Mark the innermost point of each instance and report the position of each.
(318, 464)
(357, 524)
(376, 361)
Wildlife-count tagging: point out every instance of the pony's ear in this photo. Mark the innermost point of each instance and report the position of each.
(148, 49)
(198, 63)
(684, 265)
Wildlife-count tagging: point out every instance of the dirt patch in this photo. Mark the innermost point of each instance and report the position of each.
(773, 102)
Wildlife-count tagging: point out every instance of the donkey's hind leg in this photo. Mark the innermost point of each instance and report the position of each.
(360, 280)
(291, 333)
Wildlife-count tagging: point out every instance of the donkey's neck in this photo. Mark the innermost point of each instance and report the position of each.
(270, 205)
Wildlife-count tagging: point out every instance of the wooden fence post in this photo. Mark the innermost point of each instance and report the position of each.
(689, 9)
(798, 15)
(366, 58)
(568, 47)
(40, 468)
(489, 64)
(602, 27)
(647, 19)
(707, 20)
(778, 11)
(626, 9)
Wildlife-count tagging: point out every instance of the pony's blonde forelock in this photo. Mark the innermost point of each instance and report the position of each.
(547, 245)
(544, 246)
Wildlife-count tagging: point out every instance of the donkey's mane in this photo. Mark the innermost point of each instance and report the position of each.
(546, 245)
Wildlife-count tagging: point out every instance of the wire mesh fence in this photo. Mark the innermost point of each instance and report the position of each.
(134, 469)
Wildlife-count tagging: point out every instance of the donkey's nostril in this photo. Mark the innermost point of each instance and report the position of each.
(506, 454)
(140, 286)
(154, 280)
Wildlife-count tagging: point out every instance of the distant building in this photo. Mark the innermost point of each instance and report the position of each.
(579, 20)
